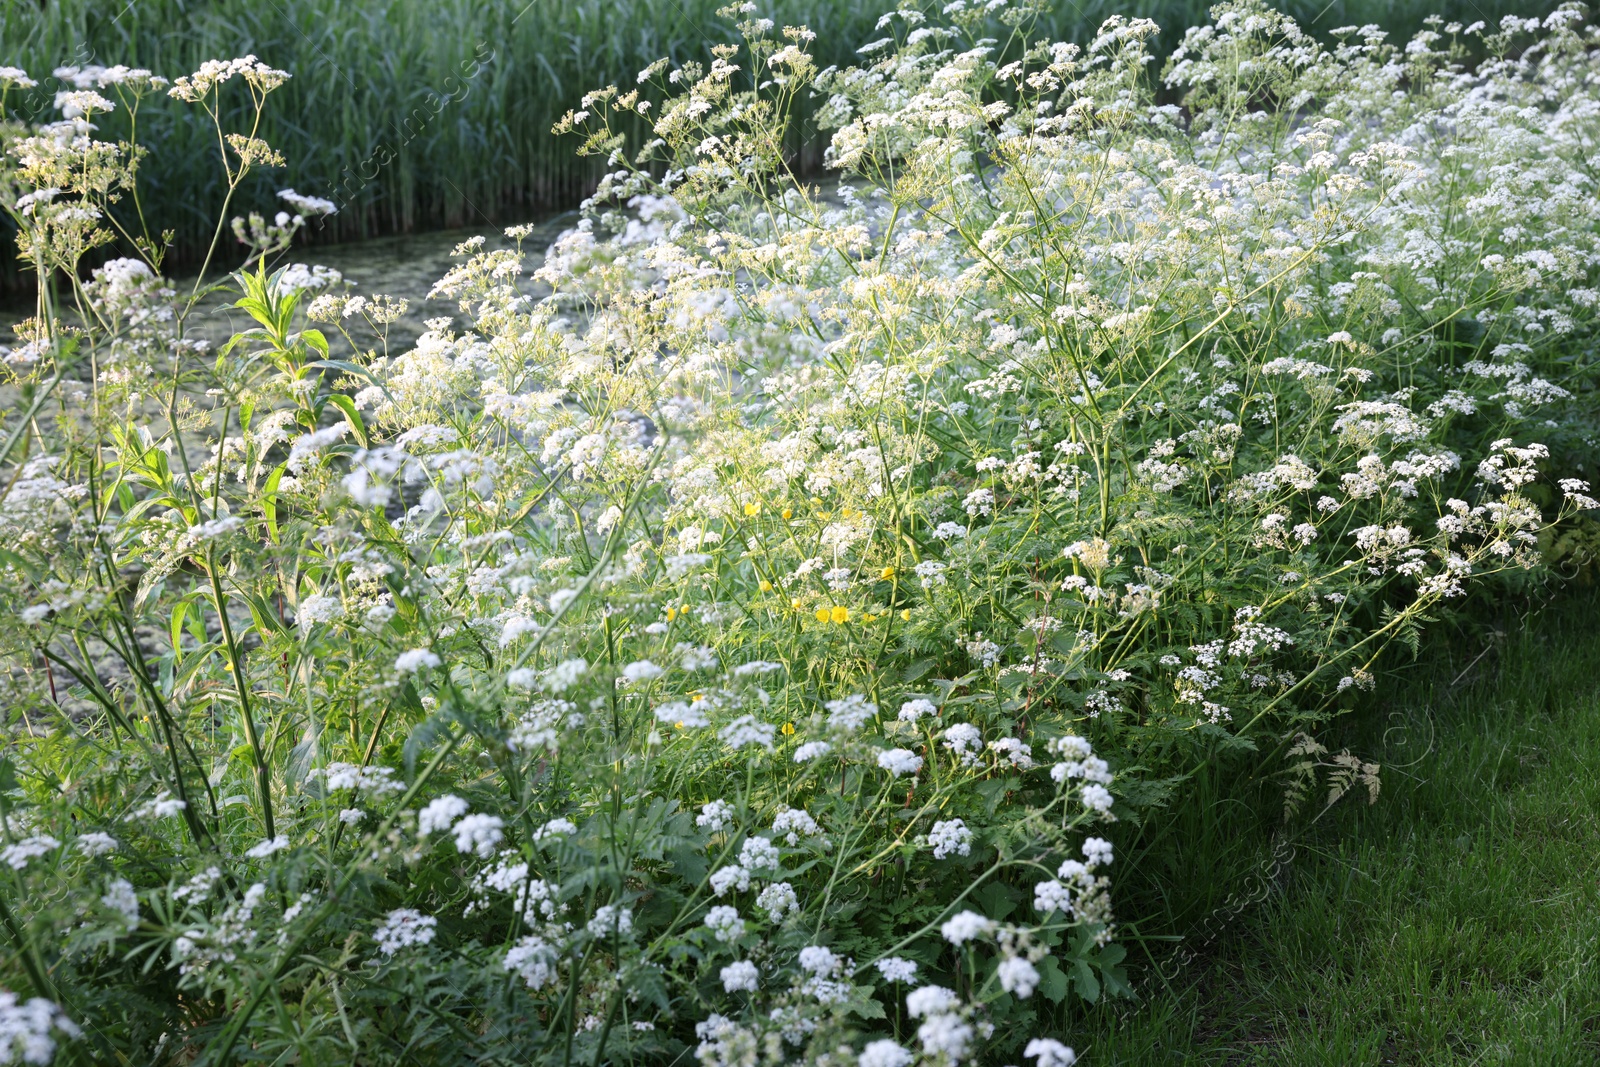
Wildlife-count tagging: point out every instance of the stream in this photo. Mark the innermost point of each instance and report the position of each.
(403, 266)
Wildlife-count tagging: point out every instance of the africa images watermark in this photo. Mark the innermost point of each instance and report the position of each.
(358, 176)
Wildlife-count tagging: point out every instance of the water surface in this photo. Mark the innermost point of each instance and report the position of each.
(403, 266)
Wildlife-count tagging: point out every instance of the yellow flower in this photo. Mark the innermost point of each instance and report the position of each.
(672, 613)
(752, 508)
(905, 614)
(788, 513)
(795, 603)
(887, 573)
(822, 614)
(840, 614)
(766, 586)
(787, 730)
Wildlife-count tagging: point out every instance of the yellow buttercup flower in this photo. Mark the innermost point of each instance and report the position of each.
(788, 513)
(766, 586)
(787, 730)
(840, 614)
(905, 614)
(886, 573)
(822, 614)
(752, 508)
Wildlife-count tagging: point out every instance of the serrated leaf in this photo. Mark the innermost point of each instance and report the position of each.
(863, 1004)
(997, 900)
(1084, 978)
(1052, 980)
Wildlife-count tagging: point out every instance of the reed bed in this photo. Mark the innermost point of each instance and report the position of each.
(416, 116)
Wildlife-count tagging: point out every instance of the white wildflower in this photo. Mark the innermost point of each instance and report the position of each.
(715, 815)
(884, 1053)
(414, 660)
(950, 837)
(965, 926)
(479, 834)
(900, 761)
(119, 897)
(724, 923)
(1050, 1053)
(19, 855)
(440, 814)
(740, 977)
(778, 900)
(268, 847)
(896, 969)
(95, 843)
(1018, 977)
(403, 928)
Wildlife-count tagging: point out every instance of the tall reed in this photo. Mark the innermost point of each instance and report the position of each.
(422, 115)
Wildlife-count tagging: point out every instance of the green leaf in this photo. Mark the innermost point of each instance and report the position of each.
(353, 369)
(863, 1005)
(1052, 980)
(1112, 974)
(353, 416)
(264, 615)
(997, 900)
(316, 340)
(688, 863)
(425, 736)
(175, 623)
(993, 791)
(302, 758)
(269, 500)
(1088, 985)
(243, 336)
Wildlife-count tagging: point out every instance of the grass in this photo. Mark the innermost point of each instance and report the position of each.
(1454, 922)
(419, 114)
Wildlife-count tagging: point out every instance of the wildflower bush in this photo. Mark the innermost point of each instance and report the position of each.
(742, 638)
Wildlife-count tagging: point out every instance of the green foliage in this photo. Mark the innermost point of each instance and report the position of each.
(734, 643)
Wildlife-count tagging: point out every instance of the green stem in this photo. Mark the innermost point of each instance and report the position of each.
(236, 667)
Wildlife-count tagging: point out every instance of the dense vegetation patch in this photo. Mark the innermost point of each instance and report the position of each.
(412, 114)
(751, 640)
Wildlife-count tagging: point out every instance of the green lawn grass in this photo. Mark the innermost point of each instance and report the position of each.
(1456, 921)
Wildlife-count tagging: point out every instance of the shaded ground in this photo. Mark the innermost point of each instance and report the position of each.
(1454, 922)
